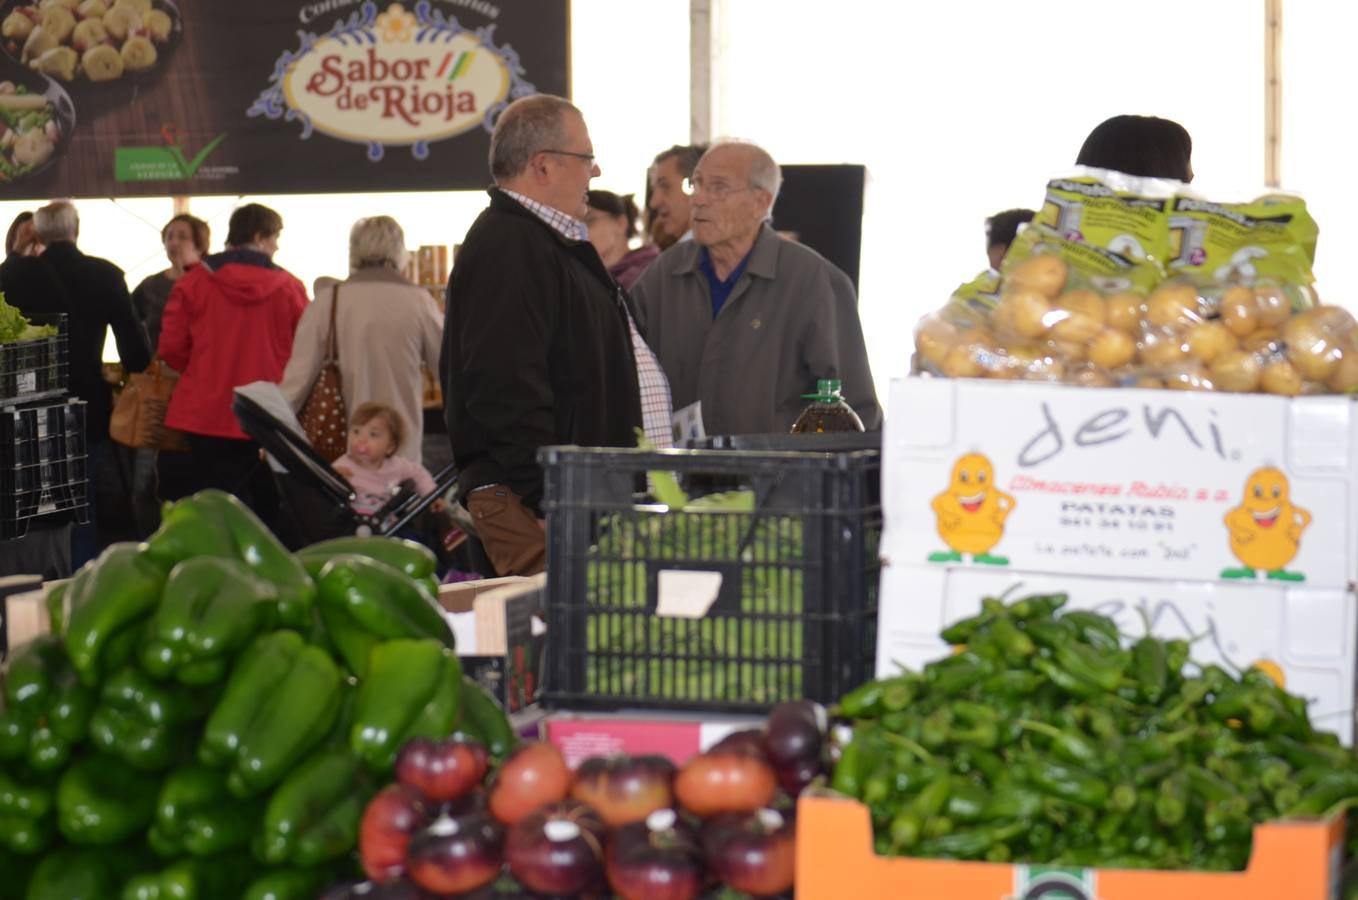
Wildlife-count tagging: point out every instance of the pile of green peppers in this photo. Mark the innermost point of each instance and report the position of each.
(1051, 738)
(211, 713)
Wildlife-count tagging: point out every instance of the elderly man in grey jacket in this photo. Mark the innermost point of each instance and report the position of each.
(746, 321)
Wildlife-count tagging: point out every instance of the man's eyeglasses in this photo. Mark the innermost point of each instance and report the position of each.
(719, 190)
(587, 157)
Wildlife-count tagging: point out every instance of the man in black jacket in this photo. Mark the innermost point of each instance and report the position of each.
(538, 344)
(93, 294)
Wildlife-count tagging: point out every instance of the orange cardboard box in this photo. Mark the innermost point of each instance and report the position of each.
(835, 861)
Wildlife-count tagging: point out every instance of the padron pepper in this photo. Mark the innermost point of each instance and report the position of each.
(111, 599)
(314, 815)
(198, 816)
(280, 702)
(364, 602)
(143, 722)
(212, 607)
(413, 688)
(1095, 630)
(27, 824)
(47, 708)
(101, 800)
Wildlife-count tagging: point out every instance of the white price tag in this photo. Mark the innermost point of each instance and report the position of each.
(685, 594)
(688, 423)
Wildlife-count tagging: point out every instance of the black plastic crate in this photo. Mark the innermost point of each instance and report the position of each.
(795, 609)
(42, 465)
(38, 369)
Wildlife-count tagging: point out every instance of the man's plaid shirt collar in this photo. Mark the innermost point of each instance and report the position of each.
(568, 226)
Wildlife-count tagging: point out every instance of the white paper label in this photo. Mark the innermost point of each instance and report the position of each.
(687, 595)
(688, 423)
(27, 382)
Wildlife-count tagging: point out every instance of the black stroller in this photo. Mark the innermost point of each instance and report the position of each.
(314, 499)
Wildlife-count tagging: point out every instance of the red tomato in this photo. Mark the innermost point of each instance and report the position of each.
(533, 775)
(724, 781)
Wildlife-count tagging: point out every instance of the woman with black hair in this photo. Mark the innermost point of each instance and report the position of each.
(612, 223)
(1140, 145)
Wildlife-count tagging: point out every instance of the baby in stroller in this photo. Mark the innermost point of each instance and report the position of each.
(370, 463)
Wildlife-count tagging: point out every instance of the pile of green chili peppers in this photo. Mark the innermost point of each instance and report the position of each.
(211, 713)
(1051, 738)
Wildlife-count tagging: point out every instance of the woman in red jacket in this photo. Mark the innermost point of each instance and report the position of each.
(229, 321)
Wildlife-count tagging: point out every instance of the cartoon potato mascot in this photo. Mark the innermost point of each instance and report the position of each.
(1266, 528)
(971, 512)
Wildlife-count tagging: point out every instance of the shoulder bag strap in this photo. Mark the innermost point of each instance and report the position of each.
(332, 342)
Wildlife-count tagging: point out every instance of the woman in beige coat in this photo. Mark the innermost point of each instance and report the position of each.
(385, 326)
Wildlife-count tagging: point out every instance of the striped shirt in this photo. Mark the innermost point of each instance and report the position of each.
(657, 410)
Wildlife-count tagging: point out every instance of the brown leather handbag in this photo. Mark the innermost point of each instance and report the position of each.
(323, 416)
(138, 418)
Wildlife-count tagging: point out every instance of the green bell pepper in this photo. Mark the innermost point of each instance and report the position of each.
(484, 720)
(212, 608)
(314, 815)
(288, 884)
(47, 709)
(413, 689)
(26, 820)
(220, 878)
(142, 722)
(280, 702)
(415, 560)
(17, 869)
(196, 814)
(101, 800)
(257, 547)
(84, 873)
(111, 600)
(364, 602)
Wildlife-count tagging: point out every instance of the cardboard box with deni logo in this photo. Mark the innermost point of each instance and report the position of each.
(500, 636)
(1290, 861)
(1140, 484)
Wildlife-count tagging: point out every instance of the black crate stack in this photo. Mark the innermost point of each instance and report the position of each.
(42, 434)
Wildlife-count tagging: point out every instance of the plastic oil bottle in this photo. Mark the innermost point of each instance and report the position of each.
(828, 411)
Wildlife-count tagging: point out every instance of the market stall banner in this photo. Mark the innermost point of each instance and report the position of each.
(116, 98)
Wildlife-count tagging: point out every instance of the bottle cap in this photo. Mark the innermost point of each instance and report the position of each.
(828, 390)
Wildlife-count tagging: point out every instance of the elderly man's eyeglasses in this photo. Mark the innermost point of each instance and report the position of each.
(718, 190)
(587, 157)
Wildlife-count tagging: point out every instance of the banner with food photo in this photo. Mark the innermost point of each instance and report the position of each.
(112, 98)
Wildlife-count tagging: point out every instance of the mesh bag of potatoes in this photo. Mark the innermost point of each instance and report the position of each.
(1119, 288)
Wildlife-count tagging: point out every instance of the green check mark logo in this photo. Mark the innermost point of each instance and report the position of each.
(188, 167)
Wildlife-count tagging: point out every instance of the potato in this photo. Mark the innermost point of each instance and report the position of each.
(1031, 314)
(17, 26)
(961, 363)
(140, 7)
(66, 4)
(158, 25)
(1240, 311)
(139, 54)
(102, 63)
(89, 34)
(1274, 307)
(1236, 371)
(121, 21)
(1112, 348)
(1266, 341)
(1150, 383)
(1079, 315)
(1045, 274)
(1312, 345)
(1173, 306)
(1126, 311)
(1344, 380)
(1282, 378)
(59, 62)
(39, 41)
(1090, 376)
(933, 339)
(1163, 351)
(1208, 340)
(1069, 351)
(59, 22)
(1188, 377)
